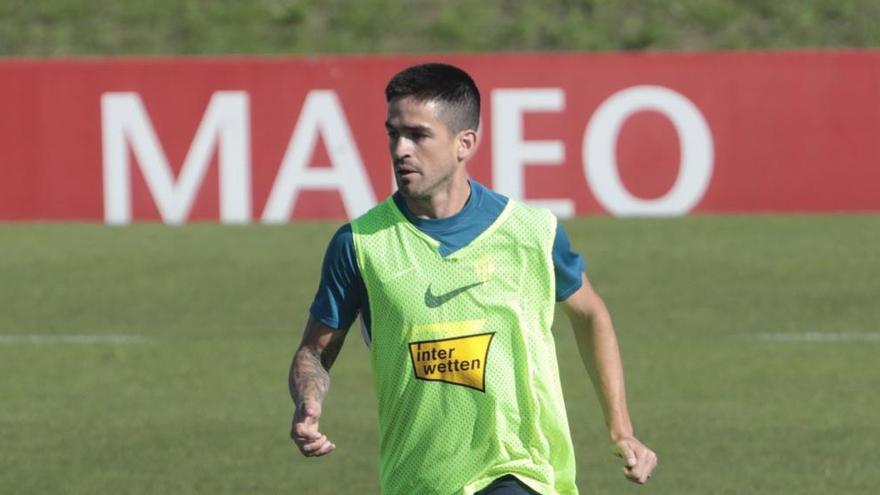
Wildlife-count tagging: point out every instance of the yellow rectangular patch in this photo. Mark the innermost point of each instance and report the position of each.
(458, 360)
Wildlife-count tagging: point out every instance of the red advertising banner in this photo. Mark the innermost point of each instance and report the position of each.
(251, 139)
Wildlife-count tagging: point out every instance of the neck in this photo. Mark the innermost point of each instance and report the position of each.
(442, 203)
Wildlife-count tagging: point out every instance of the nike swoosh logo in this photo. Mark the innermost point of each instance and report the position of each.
(433, 301)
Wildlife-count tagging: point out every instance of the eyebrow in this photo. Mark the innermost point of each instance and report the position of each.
(410, 128)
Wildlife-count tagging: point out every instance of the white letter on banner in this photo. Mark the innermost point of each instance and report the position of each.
(600, 161)
(321, 113)
(225, 123)
(511, 154)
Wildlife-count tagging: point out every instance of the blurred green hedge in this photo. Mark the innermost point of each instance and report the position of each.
(105, 27)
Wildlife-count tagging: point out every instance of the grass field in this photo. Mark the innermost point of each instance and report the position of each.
(153, 360)
(106, 27)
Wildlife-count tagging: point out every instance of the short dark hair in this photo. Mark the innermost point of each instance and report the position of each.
(443, 83)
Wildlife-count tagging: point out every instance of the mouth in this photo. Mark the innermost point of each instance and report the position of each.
(405, 170)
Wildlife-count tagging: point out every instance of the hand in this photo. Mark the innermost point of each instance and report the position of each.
(640, 460)
(304, 431)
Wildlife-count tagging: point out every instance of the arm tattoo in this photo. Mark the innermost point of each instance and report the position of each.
(310, 373)
(309, 377)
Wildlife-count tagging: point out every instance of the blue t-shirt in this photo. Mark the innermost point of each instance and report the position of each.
(342, 293)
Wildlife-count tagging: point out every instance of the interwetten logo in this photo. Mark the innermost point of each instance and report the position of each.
(459, 360)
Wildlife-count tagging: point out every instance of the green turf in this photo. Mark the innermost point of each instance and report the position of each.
(108, 27)
(202, 406)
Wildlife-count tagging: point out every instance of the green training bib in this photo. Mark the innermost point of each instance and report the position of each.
(464, 363)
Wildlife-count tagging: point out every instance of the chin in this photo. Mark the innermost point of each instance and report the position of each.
(408, 192)
(407, 188)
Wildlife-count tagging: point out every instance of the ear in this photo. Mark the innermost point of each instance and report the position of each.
(467, 144)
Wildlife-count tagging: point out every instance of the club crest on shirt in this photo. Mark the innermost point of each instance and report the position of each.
(484, 267)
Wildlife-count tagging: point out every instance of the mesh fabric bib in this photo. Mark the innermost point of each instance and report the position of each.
(464, 364)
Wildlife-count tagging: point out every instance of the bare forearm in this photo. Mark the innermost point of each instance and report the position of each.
(309, 382)
(310, 371)
(309, 379)
(597, 343)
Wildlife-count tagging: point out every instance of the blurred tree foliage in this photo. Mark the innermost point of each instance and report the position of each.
(113, 27)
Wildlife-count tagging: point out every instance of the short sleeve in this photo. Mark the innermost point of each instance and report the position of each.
(339, 296)
(567, 265)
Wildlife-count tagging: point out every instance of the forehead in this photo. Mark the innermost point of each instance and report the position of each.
(409, 111)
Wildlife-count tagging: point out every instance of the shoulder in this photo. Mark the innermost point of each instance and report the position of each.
(341, 238)
(488, 199)
(534, 219)
(378, 216)
(539, 219)
(529, 226)
(340, 259)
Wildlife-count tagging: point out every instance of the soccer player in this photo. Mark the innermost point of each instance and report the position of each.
(456, 287)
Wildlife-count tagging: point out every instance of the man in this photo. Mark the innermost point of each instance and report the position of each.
(456, 286)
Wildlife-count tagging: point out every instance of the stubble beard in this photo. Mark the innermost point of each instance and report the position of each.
(426, 191)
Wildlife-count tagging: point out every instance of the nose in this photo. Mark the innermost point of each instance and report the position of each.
(401, 147)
